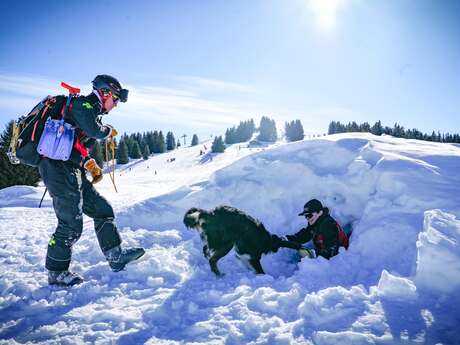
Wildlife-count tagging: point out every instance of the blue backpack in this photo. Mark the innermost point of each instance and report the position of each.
(43, 132)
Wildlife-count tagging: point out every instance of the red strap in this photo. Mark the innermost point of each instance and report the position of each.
(80, 148)
(320, 240)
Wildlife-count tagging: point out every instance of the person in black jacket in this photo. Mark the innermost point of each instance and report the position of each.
(322, 229)
(73, 194)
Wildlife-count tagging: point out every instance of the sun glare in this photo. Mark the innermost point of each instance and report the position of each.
(326, 12)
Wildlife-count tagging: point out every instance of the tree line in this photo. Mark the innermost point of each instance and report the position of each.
(134, 146)
(396, 131)
(267, 133)
(139, 145)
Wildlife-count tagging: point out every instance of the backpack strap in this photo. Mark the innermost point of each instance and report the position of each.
(48, 103)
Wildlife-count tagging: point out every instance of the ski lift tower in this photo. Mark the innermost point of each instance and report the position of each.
(184, 136)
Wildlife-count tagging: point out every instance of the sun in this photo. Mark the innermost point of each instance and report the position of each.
(326, 12)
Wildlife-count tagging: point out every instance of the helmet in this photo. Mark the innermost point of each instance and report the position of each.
(107, 82)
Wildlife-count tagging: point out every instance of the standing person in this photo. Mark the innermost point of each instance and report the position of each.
(73, 194)
(322, 229)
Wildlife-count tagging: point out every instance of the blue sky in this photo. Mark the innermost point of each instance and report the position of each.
(202, 66)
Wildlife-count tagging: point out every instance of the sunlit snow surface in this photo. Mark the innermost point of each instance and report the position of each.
(399, 282)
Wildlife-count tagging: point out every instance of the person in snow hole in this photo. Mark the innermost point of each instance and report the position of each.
(73, 194)
(326, 234)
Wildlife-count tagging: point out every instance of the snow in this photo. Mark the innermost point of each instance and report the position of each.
(397, 283)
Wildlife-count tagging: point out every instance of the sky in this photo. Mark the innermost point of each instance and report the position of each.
(203, 66)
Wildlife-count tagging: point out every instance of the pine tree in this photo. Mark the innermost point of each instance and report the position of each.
(170, 141)
(122, 153)
(294, 130)
(136, 151)
(299, 133)
(230, 136)
(377, 128)
(155, 148)
(194, 140)
(332, 128)
(11, 175)
(130, 142)
(145, 152)
(161, 142)
(288, 130)
(218, 145)
(96, 153)
(267, 130)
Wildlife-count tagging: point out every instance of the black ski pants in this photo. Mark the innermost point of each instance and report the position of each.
(72, 196)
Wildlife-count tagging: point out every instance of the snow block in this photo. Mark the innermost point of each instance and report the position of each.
(438, 259)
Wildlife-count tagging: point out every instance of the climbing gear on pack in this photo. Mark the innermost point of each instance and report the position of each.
(118, 258)
(26, 132)
(94, 169)
(11, 153)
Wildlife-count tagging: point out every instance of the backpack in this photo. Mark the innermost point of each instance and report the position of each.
(28, 129)
(343, 238)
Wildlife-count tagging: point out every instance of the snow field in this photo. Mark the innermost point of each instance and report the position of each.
(397, 283)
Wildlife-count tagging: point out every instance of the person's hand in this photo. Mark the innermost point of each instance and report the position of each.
(306, 252)
(94, 169)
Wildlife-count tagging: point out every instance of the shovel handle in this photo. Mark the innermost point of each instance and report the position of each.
(72, 90)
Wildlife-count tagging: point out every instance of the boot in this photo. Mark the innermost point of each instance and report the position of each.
(118, 258)
(63, 278)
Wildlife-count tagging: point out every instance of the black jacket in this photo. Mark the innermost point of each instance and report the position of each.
(324, 233)
(84, 114)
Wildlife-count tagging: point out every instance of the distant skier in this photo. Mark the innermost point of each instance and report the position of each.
(73, 194)
(326, 233)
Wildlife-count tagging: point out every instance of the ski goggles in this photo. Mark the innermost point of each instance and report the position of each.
(122, 95)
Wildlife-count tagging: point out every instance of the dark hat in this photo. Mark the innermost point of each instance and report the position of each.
(313, 205)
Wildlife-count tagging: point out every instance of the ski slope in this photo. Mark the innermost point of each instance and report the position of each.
(397, 284)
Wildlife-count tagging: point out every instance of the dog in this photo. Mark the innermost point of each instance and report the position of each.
(226, 227)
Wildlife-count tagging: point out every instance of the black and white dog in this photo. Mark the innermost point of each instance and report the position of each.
(226, 227)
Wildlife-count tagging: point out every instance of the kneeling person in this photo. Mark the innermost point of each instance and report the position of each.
(325, 233)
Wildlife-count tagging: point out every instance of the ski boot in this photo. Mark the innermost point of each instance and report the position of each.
(118, 258)
(63, 278)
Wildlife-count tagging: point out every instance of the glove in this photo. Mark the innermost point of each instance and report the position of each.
(113, 132)
(94, 169)
(304, 252)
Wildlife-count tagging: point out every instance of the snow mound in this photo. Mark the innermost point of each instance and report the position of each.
(397, 283)
(438, 259)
